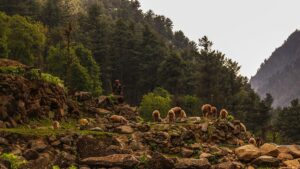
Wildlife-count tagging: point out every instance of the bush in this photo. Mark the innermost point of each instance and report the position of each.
(191, 104)
(15, 161)
(159, 99)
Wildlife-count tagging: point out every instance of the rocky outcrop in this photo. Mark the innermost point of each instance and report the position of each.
(247, 152)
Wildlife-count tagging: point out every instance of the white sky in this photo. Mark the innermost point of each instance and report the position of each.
(247, 31)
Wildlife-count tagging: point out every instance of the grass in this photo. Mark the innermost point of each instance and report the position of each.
(47, 130)
(15, 161)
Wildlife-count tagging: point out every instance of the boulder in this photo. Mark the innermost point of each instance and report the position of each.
(115, 160)
(292, 164)
(226, 165)
(283, 149)
(266, 161)
(269, 150)
(3, 141)
(185, 152)
(285, 156)
(38, 145)
(207, 156)
(125, 129)
(247, 152)
(189, 163)
(158, 161)
(30, 154)
(295, 150)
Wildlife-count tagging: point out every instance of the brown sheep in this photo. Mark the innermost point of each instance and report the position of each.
(183, 114)
(252, 141)
(83, 122)
(55, 125)
(206, 109)
(177, 111)
(223, 114)
(156, 116)
(214, 112)
(170, 117)
(118, 119)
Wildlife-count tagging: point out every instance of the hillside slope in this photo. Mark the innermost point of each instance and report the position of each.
(279, 75)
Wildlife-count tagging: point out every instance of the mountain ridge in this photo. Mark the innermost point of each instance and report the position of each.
(279, 71)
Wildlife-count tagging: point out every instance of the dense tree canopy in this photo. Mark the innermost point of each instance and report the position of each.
(121, 42)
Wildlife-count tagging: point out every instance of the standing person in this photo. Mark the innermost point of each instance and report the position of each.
(118, 88)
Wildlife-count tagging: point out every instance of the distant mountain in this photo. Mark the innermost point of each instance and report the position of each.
(280, 74)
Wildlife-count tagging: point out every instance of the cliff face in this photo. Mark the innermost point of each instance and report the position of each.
(279, 75)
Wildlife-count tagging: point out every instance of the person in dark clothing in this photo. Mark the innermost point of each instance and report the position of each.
(118, 88)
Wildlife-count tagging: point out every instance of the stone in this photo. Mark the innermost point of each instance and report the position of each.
(204, 127)
(2, 166)
(38, 145)
(96, 129)
(2, 124)
(4, 141)
(226, 165)
(185, 152)
(285, 156)
(295, 151)
(189, 163)
(207, 156)
(247, 152)
(125, 129)
(283, 149)
(115, 160)
(269, 150)
(159, 161)
(293, 164)
(30, 154)
(266, 161)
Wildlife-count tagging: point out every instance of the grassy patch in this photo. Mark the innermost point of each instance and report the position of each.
(15, 161)
(51, 132)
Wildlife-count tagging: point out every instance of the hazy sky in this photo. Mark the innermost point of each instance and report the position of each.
(247, 31)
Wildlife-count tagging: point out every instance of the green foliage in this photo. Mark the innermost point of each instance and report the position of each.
(154, 101)
(84, 71)
(32, 74)
(56, 167)
(15, 161)
(12, 70)
(287, 123)
(72, 167)
(52, 79)
(191, 104)
(230, 118)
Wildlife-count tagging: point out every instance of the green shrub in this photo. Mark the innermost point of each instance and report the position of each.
(191, 104)
(12, 70)
(52, 79)
(15, 161)
(55, 167)
(158, 100)
(230, 117)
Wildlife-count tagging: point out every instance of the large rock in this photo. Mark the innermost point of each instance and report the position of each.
(269, 150)
(247, 152)
(266, 161)
(38, 145)
(185, 152)
(189, 163)
(285, 156)
(229, 165)
(115, 160)
(30, 154)
(293, 164)
(158, 161)
(295, 151)
(125, 129)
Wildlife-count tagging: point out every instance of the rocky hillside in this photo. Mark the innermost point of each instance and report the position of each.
(42, 127)
(279, 75)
